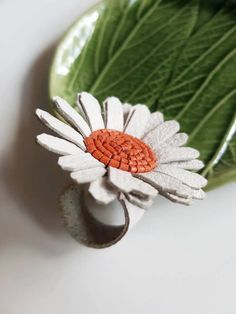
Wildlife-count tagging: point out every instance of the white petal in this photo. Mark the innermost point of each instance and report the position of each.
(191, 179)
(71, 116)
(135, 213)
(113, 113)
(126, 183)
(177, 199)
(172, 154)
(186, 192)
(126, 109)
(91, 109)
(162, 133)
(88, 175)
(61, 128)
(183, 191)
(198, 194)
(194, 164)
(79, 161)
(178, 139)
(137, 120)
(166, 184)
(142, 203)
(102, 192)
(57, 145)
(160, 181)
(155, 120)
(195, 194)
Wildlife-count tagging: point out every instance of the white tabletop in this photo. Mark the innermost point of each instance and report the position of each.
(177, 260)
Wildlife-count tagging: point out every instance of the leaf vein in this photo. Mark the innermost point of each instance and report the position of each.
(206, 82)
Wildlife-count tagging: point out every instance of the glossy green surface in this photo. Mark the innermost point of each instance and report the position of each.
(178, 57)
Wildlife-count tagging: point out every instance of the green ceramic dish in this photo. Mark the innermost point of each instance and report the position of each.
(176, 56)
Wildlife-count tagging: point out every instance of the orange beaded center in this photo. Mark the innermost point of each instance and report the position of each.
(120, 150)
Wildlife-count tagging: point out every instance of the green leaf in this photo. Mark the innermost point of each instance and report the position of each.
(176, 56)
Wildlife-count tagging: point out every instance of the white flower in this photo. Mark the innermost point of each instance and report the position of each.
(126, 152)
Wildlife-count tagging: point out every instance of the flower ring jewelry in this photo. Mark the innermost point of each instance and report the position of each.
(122, 152)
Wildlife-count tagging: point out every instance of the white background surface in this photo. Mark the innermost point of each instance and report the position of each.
(177, 260)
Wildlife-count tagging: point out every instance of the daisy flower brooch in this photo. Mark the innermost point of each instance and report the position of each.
(118, 152)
